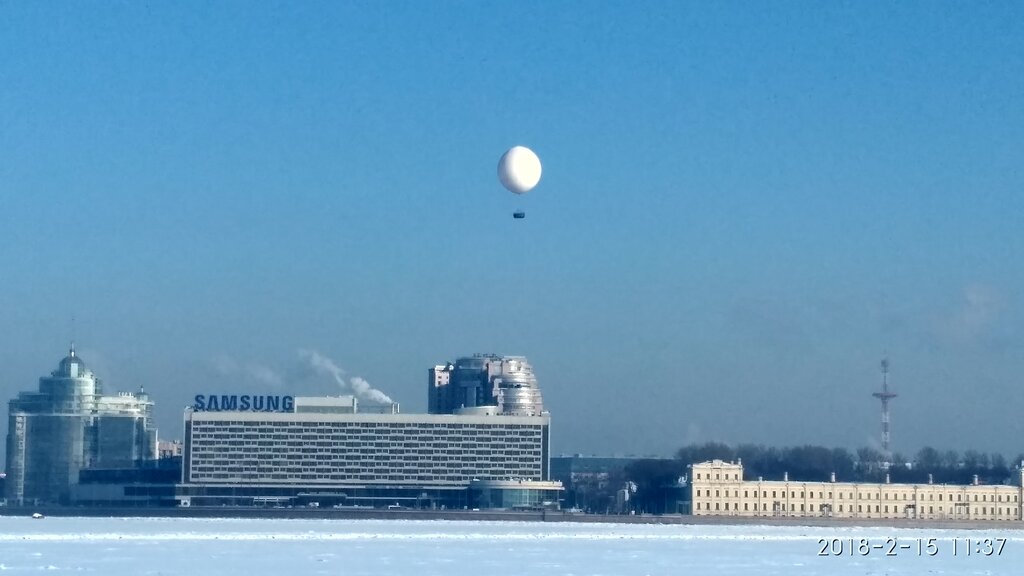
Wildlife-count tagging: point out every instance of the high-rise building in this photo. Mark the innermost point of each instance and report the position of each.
(505, 382)
(68, 425)
(437, 391)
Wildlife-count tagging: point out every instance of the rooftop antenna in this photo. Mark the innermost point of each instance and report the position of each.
(885, 395)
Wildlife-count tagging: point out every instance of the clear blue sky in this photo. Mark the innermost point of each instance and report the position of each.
(743, 206)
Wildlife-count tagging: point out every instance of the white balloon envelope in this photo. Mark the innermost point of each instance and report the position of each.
(519, 169)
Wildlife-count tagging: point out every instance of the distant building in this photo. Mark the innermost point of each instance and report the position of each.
(438, 393)
(594, 483)
(720, 490)
(572, 470)
(340, 405)
(505, 382)
(149, 485)
(68, 425)
(168, 449)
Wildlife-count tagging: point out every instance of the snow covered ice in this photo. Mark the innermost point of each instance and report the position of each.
(139, 546)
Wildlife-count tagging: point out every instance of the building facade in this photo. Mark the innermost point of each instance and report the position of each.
(718, 489)
(595, 483)
(168, 449)
(351, 458)
(438, 396)
(514, 494)
(68, 425)
(506, 382)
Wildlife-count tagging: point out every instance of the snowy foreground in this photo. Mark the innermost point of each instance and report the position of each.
(136, 546)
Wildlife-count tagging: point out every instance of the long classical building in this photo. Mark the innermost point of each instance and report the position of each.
(69, 425)
(720, 490)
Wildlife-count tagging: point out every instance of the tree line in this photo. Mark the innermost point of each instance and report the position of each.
(817, 463)
(657, 489)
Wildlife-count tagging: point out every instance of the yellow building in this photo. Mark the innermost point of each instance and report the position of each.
(720, 490)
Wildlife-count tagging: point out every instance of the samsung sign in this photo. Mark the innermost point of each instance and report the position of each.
(243, 402)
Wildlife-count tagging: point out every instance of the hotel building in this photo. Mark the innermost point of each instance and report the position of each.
(334, 451)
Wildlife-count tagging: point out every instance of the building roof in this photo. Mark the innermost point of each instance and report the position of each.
(71, 360)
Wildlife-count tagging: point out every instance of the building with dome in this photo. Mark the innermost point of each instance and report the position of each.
(475, 382)
(68, 425)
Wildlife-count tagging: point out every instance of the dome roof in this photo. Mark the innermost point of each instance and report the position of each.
(71, 365)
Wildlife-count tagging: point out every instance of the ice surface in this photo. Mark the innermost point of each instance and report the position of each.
(137, 546)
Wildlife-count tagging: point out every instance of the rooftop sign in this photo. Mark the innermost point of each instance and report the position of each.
(243, 403)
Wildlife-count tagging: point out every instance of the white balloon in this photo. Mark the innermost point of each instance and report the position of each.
(519, 169)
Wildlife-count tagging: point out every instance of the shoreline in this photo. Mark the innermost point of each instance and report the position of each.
(554, 516)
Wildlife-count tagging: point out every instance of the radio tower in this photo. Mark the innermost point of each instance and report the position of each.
(885, 396)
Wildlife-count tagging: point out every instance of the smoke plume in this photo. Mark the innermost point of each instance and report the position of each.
(359, 386)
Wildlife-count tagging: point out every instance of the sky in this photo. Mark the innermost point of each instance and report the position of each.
(744, 207)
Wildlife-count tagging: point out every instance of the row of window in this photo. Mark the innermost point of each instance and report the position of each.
(468, 468)
(338, 453)
(781, 507)
(718, 476)
(391, 436)
(363, 449)
(299, 467)
(317, 427)
(373, 465)
(334, 454)
(863, 495)
(355, 443)
(366, 475)
(460, 465)
(293, 433)
(423, 479)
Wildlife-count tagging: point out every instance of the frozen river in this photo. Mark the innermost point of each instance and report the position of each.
(137, 546)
